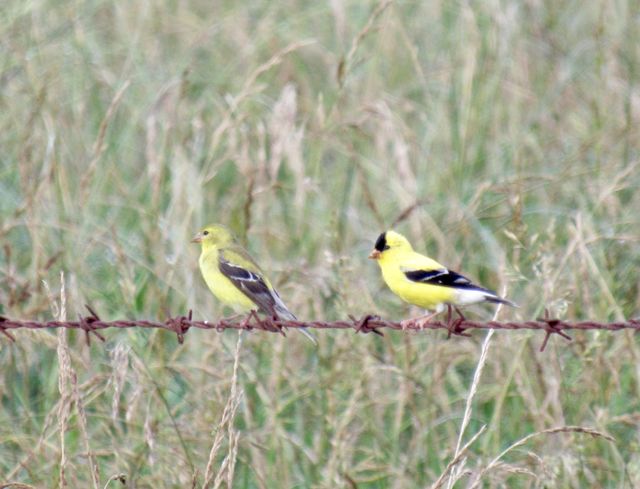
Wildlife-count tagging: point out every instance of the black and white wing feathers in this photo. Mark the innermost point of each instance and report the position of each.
(255, 287)
(447, 278)
(442, 277)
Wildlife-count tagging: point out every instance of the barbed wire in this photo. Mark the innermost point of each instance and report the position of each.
(180, 325)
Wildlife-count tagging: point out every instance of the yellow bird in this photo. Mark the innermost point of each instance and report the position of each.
(419, 280)
(235, 278)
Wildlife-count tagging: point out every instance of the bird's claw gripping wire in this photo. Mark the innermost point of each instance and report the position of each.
(454, 326)
(252, 320)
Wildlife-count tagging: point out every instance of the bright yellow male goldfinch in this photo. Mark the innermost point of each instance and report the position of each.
(235, 278)
(419, 280)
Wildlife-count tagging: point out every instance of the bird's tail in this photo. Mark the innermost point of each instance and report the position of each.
(494, 299)
(284, 313)
(310, 337)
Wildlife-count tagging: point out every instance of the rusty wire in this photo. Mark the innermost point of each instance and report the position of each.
(180, 325)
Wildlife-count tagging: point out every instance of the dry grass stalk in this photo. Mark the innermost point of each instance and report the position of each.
(64, 374)
(149, 436)
(99, 146)
(563, 429)
(68, 388)
(244, 92)
(228, 416)
(455, 473)
(346, 62)
(457, 459)
(233, 455)
(122, 478)
(82, 420)
(119, 361)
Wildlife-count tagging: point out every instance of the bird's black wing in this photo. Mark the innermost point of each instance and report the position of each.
(251, 284)
(443, 278)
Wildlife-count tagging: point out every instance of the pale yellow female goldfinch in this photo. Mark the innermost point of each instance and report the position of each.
(235, 278)
(419, 280)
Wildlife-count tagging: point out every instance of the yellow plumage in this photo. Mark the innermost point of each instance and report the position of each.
(419, 280)
(219, 284)
(235, 278)
(393, 265)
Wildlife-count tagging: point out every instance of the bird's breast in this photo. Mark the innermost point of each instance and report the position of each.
(221, 287)
(422, 295)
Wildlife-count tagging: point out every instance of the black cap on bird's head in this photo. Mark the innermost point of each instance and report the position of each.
(389, 240)
(379, 247)
(381, 243)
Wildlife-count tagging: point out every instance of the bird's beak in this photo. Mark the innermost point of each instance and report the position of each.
(374, 255)
(197, 238)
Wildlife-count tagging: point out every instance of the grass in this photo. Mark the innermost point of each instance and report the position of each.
(502, 138)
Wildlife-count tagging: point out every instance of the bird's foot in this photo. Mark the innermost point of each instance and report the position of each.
(417, 323)
(421, 322)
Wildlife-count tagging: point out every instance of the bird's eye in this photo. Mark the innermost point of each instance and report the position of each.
(205, 233)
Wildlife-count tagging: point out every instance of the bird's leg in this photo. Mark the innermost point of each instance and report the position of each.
(235, 317)
(280, 329)
(449, 322)
(453, 325)
(461, 317)
(245, 322)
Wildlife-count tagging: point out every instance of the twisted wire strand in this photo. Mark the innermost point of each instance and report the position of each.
(180, 325)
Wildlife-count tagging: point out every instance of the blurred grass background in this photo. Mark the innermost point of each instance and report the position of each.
(502, 137)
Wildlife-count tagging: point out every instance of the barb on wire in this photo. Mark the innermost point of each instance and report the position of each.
(180, 325)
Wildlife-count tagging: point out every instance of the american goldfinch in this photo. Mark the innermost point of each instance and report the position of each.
(424, 282)
(235, 278)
